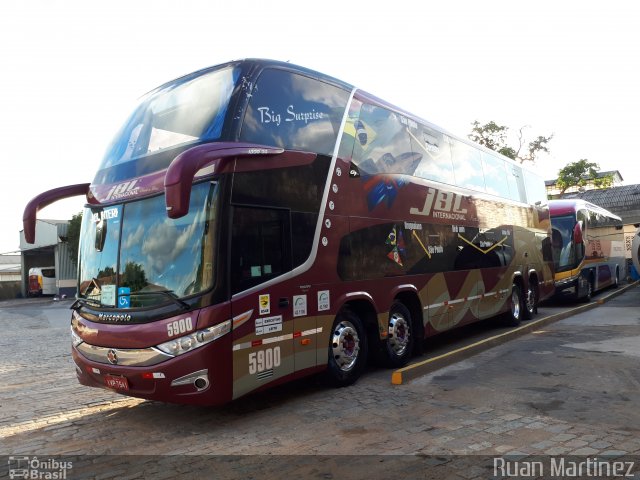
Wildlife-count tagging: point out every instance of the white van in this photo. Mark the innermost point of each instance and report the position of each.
(42, 281)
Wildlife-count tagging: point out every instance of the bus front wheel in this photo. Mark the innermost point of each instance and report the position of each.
(347, 349)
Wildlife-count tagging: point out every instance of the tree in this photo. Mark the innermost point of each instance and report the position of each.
(73, 236)
(494, 137)
(134, 276)
(578, 174)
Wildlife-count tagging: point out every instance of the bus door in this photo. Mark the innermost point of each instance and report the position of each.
(263, 317)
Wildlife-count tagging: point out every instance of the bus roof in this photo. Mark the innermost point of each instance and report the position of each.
(571, 205)
(260, 63)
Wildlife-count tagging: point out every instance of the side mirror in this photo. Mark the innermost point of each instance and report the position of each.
(44, 199)
(179, 177)
(577, 234)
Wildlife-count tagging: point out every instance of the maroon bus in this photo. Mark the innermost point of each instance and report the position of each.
(256, 222)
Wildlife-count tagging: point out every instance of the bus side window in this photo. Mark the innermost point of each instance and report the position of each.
(382, 143)
(495, 175)
(536, 191)
(260, 246)
(294, 112)
(435, 150)
(467, 166)
(515, 178)
(48, 273)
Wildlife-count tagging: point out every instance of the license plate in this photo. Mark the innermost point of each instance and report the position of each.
(114, 381)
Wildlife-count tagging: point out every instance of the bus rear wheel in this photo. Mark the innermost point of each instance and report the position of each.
(590, 286)
(347, 349)
(531, 301)
(398, 346)
(514, 316)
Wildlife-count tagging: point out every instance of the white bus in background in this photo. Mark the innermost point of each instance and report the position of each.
(42, 281)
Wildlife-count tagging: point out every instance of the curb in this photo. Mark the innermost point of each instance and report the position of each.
(410, 372)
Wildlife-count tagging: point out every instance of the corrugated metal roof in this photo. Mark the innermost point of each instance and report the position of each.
(624, 201)
(10, 267)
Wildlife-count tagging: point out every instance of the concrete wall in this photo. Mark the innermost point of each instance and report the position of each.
(9, 290)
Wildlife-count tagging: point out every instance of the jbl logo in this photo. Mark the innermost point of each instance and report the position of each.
(442, 205)
(122, 190)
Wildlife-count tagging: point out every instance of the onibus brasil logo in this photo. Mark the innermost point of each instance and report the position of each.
(34, 468)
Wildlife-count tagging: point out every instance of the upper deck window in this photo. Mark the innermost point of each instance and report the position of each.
(467, 166)
(383, 144)
(294, 112)
(188, 110)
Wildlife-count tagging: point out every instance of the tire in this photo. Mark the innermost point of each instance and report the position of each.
(396, 350)
(589, 295)
(531, 301)
(516, 307)
(347, 349)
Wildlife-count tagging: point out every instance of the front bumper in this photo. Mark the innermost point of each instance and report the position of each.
(198, 377)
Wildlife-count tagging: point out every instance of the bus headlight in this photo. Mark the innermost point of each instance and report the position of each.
(190, 342)
(75, 338)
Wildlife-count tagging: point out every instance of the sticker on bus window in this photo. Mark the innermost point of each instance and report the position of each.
(124, 299)
(299, 305)
(323, 300)
(264, 302)
(108, 295)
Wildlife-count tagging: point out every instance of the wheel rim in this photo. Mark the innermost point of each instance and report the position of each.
(515, 305)
(399, 334)
(345, 345)
(531, 299)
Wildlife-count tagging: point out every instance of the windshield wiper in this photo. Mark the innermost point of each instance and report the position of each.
(169, 294)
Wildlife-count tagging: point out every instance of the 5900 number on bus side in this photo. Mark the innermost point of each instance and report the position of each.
(178, 327)
(264, 360)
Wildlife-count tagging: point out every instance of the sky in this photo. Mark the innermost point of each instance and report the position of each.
(73, 70)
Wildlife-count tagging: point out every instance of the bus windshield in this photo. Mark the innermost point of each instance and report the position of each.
(156, 254)
(187, 110)
(562, 241)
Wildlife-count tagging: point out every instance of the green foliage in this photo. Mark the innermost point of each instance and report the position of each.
(578, 174)
(134, 277)
(109, 273)
(494, 137)
(490, 135)
(73, 237)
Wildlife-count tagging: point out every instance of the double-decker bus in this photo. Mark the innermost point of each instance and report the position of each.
(256, 222)
(588, 247)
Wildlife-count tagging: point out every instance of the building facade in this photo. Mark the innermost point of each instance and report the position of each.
(50, 250)
(553, 191)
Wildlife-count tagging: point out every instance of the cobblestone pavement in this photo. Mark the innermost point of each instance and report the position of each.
(572, 388)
